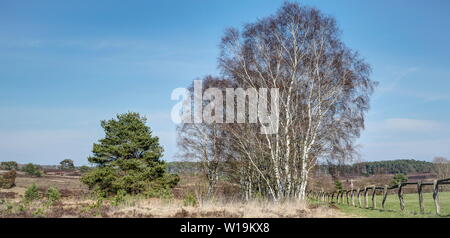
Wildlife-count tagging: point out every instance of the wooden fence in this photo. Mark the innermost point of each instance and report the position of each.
(338, 196)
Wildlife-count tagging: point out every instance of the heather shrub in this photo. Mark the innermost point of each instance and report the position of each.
(8, 180)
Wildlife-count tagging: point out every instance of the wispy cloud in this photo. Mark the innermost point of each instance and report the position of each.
(395, 85)
(399, 76)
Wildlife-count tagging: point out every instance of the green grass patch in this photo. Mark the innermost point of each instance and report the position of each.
(392, 206)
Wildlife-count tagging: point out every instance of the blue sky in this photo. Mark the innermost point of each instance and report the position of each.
(66, 65)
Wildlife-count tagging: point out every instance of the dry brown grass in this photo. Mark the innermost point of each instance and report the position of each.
(254, 209)
(138, 207)
(75, 204)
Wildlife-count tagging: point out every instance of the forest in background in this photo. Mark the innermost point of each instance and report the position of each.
(404, 166)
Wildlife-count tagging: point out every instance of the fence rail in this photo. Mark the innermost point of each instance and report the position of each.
(338, 196)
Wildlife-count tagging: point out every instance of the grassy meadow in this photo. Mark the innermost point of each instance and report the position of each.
(392, 207)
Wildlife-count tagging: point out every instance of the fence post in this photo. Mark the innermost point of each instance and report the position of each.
(419, 191)
(374, 205)
(385, 193)
(359, 197)
(353, 197)
(346, 196)
(400, 196)
(366, 198)
(436, 196)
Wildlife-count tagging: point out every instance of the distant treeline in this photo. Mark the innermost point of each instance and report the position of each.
(357, 169)
(379, 167)
(183, 167)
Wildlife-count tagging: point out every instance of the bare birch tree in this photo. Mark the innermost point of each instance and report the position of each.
(205, 143)
(441, 167)
(324, 90)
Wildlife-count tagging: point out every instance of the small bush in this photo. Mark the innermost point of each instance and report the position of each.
(399, 178)
(119, 198)
(32, 193)
(39, 212)
(8, 180)
(32, 170)
(190, 200)
(338, 185)
(52, 195)
(9, 165)
(162, 193)
(84, 169)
